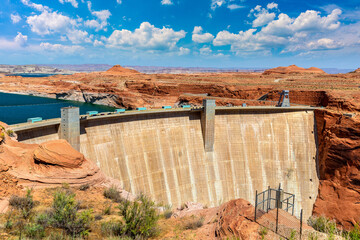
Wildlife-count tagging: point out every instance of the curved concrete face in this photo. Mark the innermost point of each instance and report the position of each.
(165, 158)
(163, 155)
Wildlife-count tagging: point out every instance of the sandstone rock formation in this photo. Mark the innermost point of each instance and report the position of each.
(292, 69)
(117, 69)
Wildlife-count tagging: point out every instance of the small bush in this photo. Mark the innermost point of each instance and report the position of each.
(113, 194)
(65, 186)
(43, 219)
(140, 217)
(34, 231)
(107, 210)
(323, 224)
(167, 212)
(8, 224)
(65, 214)
(112, 228)
(84, 187)
(23, 204)
(263, 232)
(10, 132)
(194, 223)
(354, 234)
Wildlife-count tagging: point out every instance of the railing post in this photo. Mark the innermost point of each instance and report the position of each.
(301, 222)
(269, 199)
(255, 204)
(293, 206)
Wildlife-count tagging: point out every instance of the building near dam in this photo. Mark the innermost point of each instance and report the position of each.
(208, 155)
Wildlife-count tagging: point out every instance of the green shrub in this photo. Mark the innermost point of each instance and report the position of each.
(65, 214)
(140, 217)
(323, 224)
(34, 231)
(112, 228)
(354, 234)
(167, 212)
(23, 204)
(43, 219)
(107, 210)
(84, 187)
(10, 132)
(113, 194)
(263, 232)
(194, 223)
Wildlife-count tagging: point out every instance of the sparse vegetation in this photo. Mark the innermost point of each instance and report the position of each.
(167, 211)
(263, 232)
(325, 225)
(84, 187)
(10, 132)
(107, 210)
(65, 214)
(34, 231)
(113, 194)
(23, 204)
(194, 223)
(292, 235)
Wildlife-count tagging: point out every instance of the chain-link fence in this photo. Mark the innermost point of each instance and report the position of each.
(274, 209)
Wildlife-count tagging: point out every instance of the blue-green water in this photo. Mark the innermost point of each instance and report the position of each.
(15, 108)
(34, 74)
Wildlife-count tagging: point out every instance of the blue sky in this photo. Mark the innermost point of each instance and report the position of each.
(194, 33)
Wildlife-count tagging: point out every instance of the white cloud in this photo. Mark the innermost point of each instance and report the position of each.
(205, 50)
(234, 6)
(200, 37)
(98, 43)
(289, 34)
(101, 22)
(119, 1)
(262, 16)
(166, 2)
(183, 51)
(15, 18)
(47, 23)
(146, 37)
(73, 2)
(217, 3)
(59, 48)
(21, 40)
(272, 6)
(38, 7)
(78, 36)
(324, 44)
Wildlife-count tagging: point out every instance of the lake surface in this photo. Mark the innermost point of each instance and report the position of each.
(16, 108)
(35, 74)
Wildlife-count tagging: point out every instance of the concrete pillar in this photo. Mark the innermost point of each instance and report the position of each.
(70, 126)
(208, 124)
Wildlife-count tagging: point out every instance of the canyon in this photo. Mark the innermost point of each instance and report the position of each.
(174, 141)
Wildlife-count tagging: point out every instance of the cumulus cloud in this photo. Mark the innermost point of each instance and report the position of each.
(15, 18)
(199, 37)
(166, 2)
(78, 36)
(119, 1)
(98, 43)
(50, 22)
(205, 51)
(102, 18)
(272, 6)
(324, 44)
(38, 7)
(231, 4)
(283, 32)
(262, 15)
(21, 40)
(146, 37)
(183, 51)
(73, 2)
(59, 48)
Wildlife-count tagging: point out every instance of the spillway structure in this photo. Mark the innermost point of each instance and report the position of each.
(208, 155)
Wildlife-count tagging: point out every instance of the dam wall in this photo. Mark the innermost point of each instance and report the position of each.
(162, 153)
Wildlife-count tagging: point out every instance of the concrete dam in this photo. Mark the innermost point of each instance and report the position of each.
(209, 155)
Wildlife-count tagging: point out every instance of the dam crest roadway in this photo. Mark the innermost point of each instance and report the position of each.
(208, 155)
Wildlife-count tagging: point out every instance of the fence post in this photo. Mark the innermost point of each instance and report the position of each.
(301, 222)
(255, 204)
(293, 206)
(268, 200)
(277, 208)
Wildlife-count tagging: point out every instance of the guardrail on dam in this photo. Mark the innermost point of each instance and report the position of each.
(210, 155)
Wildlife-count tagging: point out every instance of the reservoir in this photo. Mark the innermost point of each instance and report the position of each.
(16, 108)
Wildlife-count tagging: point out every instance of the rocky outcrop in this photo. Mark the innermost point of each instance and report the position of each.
(293, 69)
(117, 69)
(339, 167)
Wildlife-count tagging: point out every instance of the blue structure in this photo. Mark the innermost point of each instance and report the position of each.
(141, 108)
(186, 106)
(243, 105)
(119, 110)
(35, 119)
(92, 112)
(166, 107)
